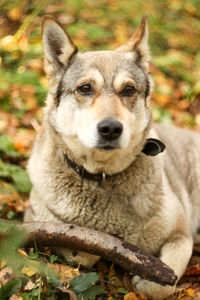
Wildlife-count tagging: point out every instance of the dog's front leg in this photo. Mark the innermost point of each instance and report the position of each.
(175, 253)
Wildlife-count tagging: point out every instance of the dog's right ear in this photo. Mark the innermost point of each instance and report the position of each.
(138, 44)
(58, 48)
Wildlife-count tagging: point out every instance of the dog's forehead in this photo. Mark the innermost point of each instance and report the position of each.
(106, 60)
(107, 63)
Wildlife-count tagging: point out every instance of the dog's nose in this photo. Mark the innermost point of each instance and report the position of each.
(109, 129)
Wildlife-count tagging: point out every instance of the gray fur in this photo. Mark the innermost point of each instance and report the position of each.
(150, 201)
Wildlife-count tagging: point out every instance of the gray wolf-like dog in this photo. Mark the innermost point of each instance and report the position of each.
(94, 162)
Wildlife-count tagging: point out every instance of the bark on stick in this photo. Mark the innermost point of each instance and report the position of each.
(111, 248)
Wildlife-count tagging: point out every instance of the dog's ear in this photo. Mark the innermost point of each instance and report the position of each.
(138, 44)
(57, 46)
(153, 147)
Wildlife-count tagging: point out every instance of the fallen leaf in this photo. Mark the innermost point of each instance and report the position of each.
(127, 282)
(162, 99)
(66, 272)
(72, 295)
(15, 14)
(112, 272)
(31, 270)
(135, 296)
(6, 274)
(10, 200)
(194, 270)
(187, 293)
(3, 264)
(30, 285)
(22, 253)
(16, 297)
(196, 249)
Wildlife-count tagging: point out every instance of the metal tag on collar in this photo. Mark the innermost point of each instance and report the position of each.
(103, 176)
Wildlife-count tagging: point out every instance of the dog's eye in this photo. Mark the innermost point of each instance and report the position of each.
(128, 91)
(85, 89)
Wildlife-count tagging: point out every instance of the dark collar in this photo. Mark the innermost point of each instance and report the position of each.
(83, 173)
(152, 147)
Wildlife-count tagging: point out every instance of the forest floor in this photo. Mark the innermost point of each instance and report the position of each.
(174, 43)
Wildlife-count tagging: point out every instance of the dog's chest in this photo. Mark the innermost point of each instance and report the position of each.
(104, 206)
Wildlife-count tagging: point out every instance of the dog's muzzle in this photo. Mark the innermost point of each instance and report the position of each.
(109, 131)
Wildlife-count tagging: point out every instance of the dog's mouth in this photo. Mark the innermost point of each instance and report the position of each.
(108, 145)
(107, 148)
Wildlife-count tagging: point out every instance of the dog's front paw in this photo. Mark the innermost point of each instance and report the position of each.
(152, 290)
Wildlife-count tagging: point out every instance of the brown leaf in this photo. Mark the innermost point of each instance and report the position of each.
(23, 139)
(127, 282)
(72, 295)
(111, 271)
(66, 272)
(16, 297)
(6, 274)
(194, 270)
(11, 198)
(29, 286)
(15, 14)
(194, 107)
(162, 99)
(35, 64)
(196, 249)
(135, 296)
(187, 294)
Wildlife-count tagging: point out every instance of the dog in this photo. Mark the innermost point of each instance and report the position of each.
(99, 161)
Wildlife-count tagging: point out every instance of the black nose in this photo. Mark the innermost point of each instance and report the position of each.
(109, 129)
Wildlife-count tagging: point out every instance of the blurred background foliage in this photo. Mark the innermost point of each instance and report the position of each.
(103, 24)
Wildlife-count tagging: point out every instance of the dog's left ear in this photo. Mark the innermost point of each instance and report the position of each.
(58, 48)
(153, 147)
(138, 44)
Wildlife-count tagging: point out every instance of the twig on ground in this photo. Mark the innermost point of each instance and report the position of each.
(88, 240)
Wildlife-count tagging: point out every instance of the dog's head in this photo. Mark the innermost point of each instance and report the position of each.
(98, 101)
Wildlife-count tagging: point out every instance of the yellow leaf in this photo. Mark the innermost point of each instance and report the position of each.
(44, 82)
(135, 296)
(66, 272)
(15, 13)
(2, 264)
(22, 253)
(7, 43)
(111, 271)
(191, 292)
(31, 270)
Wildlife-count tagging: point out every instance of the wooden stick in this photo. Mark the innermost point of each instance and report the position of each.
(111, 248)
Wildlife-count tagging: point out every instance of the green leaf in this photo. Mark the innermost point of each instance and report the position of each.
(122, 291)
(91, 293)
(21, 180)
(33, 255)
(10, 288)
(18, 174)
(7, 146)
(161, 115)
(8, 248)
(10, 215)
(53, 258)
(96, 32)
(83, 282)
